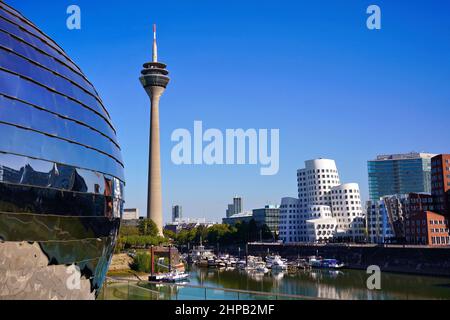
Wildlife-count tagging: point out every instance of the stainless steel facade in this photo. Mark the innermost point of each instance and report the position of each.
(61, 170)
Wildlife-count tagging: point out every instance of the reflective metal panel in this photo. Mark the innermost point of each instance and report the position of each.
(21, 66)
(33, 37)
(26, 116)
(70, 93)
(9, 42)
(61, 171)
(37, 145)
(31, 93)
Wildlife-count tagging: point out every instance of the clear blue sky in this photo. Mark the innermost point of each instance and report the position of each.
(310, 68)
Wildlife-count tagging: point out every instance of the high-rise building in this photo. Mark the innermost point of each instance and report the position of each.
(62, 174)
(177, 213)
(235, 207)
(269, 216)
(440, 183)
(230, 210)
(325, 208)
(155, 79)
(399, 174)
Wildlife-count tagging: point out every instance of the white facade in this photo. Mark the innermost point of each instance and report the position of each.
(320, 230)
(319, 186)
(315, 182)
(291, 228)
(130, 214)
(347, 209)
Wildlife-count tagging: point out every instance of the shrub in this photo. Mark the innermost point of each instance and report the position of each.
(141, 263)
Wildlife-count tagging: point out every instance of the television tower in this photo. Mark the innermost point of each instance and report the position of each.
(154, 79)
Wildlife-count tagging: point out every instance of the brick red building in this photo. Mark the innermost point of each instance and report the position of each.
(427, 228)
(400, 207)
(440, 183)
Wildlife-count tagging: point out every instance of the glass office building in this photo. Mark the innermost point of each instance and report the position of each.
(61, 170)
(269, 216)
(399, 174)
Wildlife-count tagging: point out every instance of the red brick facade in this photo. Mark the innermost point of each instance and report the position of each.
(427, 228)
(440, 183)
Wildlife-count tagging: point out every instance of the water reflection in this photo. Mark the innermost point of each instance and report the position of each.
(33, 172)
(327, 284)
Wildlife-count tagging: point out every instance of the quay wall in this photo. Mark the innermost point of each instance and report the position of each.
(390, 258)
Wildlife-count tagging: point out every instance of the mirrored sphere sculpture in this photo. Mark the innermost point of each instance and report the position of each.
(61, 171)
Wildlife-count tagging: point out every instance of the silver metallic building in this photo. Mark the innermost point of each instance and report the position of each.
(61, 171)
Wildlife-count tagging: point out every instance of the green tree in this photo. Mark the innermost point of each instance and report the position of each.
(202, 233)
(242, 232)
(218, 234)
(266, 233)
(148, 228)
(253, 231)
(129, 231)
(169, 234)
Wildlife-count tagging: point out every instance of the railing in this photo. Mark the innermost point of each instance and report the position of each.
(130, 289)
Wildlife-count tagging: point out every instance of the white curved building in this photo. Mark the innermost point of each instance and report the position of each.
(321, 230)
(319, 212)
(347, 209)
(316, 180)
(320, 226)
(319, 205)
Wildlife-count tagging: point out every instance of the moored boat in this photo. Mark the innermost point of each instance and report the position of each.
(278, 264)
(326, 263)
(212, 263)
(174, 276)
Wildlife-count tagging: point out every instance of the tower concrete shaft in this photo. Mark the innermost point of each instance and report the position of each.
(154, 198)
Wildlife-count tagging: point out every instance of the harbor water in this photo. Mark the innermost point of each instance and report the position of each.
(315, 284)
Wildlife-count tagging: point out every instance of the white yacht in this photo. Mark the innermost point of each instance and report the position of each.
(278, 264)
(261, 267)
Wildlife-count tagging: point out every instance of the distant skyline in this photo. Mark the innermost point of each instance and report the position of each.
(311, 69)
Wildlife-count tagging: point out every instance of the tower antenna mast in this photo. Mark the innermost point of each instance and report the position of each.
(155, 45)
